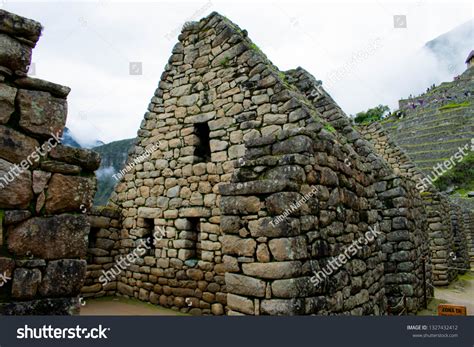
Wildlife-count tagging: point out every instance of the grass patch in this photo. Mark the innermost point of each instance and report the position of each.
(330, 128)
(461, 176)
(224, 62)
(454, 105)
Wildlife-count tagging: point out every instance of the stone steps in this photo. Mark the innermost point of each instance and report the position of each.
(439, 145)
(443, 136)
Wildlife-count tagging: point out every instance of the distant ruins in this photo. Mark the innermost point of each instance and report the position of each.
(262, 199)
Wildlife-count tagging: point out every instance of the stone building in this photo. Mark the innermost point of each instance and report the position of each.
(259, 184)
(44, 186)
(256, 195)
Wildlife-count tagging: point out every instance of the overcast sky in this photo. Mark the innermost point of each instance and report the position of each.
(351, 46)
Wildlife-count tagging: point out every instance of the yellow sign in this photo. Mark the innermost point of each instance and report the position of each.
(451, 310)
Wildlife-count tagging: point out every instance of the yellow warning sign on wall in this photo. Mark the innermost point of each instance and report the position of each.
(451, 310)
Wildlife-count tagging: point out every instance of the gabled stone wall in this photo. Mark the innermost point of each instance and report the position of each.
(303, 167)
(44, 186)
(216, 76)
(402, 216)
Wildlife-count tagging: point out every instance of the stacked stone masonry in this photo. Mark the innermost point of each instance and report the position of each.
(260, 181)
(403, 219)
(240, 143)
(447, 231)
(44, 186)
(103, 246)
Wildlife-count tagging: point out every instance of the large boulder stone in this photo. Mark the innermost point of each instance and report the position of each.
(240, 204)
(42, 85)
(15, 56)
(7, 102)
(60, 167)
(290, 203)
(275, 270)
(283, 307)
(289, 248)
(65, 236)
(85, 158)
(16, 147)
(291, 173)
(16, 216)
(19, 26)
(25, 283)
(63, 277)
(235, 245)
(257, 187)
(244, 285)
(15, 186)
(240, 303)
(69, 193)
(295, 144)
(271, 227)
(41, 113)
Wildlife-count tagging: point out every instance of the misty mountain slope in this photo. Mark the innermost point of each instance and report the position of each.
(113, 157)
(68, 139)
(451, 48)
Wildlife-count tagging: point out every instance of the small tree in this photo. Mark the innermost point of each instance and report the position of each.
(372, 114)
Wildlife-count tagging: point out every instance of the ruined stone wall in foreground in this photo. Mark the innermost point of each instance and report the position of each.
(44, 186)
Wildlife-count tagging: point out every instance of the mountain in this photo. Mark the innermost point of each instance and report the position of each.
(451, 48)
(114, 156)
(69, 140)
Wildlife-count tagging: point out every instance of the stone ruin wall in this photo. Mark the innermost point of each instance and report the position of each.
(401, 212)
(272, 140)
(277, 172)
(246, 97)
(447, 230)
(273, 137)
(103, 247)
(468, 217)
(43, 232)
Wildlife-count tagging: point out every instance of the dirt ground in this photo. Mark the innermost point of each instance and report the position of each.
(460, 292)
(117, 306)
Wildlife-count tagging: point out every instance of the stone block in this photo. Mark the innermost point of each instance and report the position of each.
(244, 285)
(63, 278)
(65, 235)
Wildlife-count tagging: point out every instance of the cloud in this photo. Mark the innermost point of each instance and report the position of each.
(89, 45)
(105, 172)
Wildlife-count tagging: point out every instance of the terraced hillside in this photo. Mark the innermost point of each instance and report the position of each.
(435, 124)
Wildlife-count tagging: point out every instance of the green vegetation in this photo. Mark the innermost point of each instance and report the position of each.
(225, 62)
(255, 48)
(330, 128)
(372, 114)
(461, 176)
(282, 76)
(455, 105)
